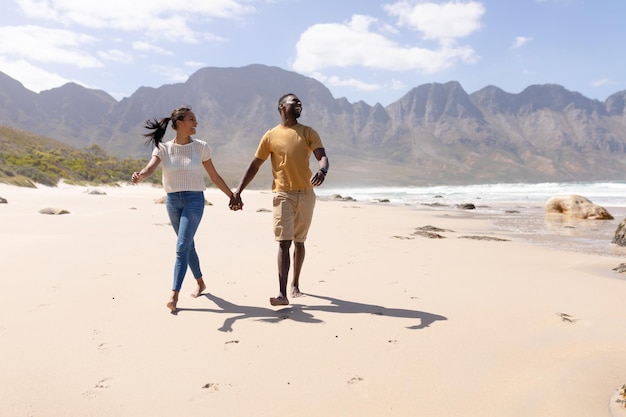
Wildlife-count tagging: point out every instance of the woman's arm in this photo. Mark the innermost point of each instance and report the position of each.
(216, 178)
(235, 202)
(147, 170)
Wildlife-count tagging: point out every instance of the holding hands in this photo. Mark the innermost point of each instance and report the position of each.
(235, 202)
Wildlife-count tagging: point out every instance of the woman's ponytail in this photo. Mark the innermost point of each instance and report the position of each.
(158, 127)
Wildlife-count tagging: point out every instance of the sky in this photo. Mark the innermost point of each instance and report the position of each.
(374, 51)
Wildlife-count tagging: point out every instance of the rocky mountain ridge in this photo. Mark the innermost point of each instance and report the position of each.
(434, 134)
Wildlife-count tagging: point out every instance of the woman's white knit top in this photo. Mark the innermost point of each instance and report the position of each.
(182, 165)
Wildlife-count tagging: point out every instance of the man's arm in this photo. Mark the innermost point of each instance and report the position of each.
(248, 176)
(320, 175)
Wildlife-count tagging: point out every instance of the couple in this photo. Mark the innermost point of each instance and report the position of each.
(185, 160)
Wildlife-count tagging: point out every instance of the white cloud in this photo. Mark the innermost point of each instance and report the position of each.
(359, 85)
(449, 20)
(161, 19)
(173, 74)
(335, 81)
(195, 64)
(115, 55)
(92, 34)
(355, 44)
(32, 77)
(603, 82)
(397, 85)
(520, 41)
(46, 45)
(142, 46)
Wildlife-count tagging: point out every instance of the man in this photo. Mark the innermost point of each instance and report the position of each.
(289, 145)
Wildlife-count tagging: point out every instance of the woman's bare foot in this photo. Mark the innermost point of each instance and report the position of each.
(279, 301)
(172, 303)
(201, 287)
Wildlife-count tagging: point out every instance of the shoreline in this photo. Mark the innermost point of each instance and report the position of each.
(390, 322)
(526, 221)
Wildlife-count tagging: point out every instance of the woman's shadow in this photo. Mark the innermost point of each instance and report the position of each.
(350, 307)
(304, 313)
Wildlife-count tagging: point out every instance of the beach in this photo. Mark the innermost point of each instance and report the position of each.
(390, 324)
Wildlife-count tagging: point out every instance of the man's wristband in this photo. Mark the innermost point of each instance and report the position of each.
(324, 170)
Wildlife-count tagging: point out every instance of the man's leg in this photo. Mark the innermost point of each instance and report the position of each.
(298, 260)
(302, 223)
(283, 273)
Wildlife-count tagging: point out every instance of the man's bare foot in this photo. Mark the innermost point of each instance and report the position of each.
(279, 301)
(295, 292)
(201, 287)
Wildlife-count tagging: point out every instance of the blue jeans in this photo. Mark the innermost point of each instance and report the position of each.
(185, 210)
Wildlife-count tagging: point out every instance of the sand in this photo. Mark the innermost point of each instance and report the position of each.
(391, 324)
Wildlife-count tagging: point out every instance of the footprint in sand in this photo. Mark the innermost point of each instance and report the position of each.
(104, 346)
(100, 385)
(211, 386)
(39, 307)
(355, 380)
(566, 317)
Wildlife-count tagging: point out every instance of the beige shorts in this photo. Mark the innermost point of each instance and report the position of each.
(293, 212)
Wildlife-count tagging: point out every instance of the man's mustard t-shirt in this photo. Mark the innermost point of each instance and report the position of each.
(290, 149)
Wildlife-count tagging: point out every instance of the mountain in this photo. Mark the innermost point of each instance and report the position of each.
(434, 134)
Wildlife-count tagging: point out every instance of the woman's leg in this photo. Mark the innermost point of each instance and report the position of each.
(186, 255)
(196, 208)
(185, 211)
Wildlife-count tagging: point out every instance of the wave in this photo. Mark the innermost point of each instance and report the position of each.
(609, 194)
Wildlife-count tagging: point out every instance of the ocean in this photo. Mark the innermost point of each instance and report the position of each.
(515, 210)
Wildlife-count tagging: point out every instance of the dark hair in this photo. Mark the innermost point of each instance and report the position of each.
(159, 126)
(282, 99)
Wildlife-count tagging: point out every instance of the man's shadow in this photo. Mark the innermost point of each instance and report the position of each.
(268, 315)
(303, 313)
(350, 307)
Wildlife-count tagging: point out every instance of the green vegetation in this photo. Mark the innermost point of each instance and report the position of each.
(26, 159)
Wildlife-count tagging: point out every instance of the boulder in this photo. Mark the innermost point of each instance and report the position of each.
(96, 192)
(3, 200)
(342, 198)
(620, 234)
(621, 268)
(467, 206)
(577, 207)
(53, 211)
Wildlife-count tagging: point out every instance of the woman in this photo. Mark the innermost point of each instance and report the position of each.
(184, 161)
